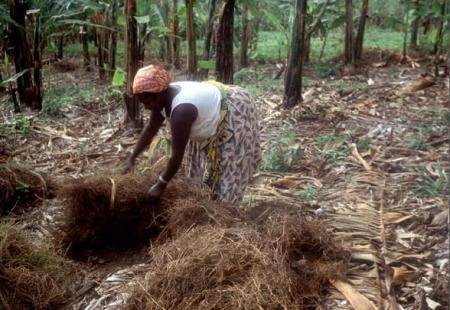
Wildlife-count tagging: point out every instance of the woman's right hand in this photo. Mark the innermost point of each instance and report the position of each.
(129, 165)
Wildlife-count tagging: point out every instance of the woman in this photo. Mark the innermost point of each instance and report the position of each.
(216, 125)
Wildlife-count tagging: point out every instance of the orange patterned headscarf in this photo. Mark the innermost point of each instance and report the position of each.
(151, 79)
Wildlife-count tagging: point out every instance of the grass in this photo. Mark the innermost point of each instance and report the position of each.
(16, 124)
(362, 87)
(76, 50)
(57, 99)
(282, 153)
(336, 153)
(333, 146)
(309, 193)
(431, 186)
(419, 139)
(266, 85)
(323, 140)
(272, 46)
(441, 115)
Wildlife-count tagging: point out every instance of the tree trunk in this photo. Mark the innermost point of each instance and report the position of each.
(60, 52)
(224, 57)
(190, 33)
(312, 29)
(37, 55)
(440, 27)
(405, 31)
(348, 51)
(16, 105)
(208, 34)
(2, 88)
(438, 42)
(142, 39)
(85, 43)
(243, 61)
(132, 115)
(415, 27)
(294, 71)
(322, 50)
(176, 39)
(359, 44)
(99, 34)
(23, 59)
(105, 41)
(254, 32)
(113, 49)
(168, 37)
(101, 61)
(307, 49)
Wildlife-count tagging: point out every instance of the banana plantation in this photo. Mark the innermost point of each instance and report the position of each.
(224, 154)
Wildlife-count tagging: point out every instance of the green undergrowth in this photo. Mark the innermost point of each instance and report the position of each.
(282, 153)
(418, 140)
(348, 85)
(17, 124)
(431, 185)
(58, 98)
(310, 192)
(333, 147)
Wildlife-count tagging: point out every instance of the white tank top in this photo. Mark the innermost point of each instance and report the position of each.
(206, 98)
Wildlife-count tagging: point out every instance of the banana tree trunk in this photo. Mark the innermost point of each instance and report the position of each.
(294, 71)
(85, 44)
(100, 39)
(132, 112)
(438, 41)
(167, 37)
(243, 61)
(349, 58)
(440, 27)
(100, 55)
(190, 33)
(312, 29)
(37, 55)
(307, 49)
(224, 57)
(208, 34)
(415, 27)
(60, 51)
(359, 44)
(2, 88)
(113, 49)
(254, 32)
(23, 59)
(176, 38)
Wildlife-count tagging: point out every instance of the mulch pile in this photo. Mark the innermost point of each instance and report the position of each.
(32, 276)
(205, 255)
(269, 258)
(22, 187)
(112, 210)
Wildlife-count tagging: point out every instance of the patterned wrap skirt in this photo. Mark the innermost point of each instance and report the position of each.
(228, 167)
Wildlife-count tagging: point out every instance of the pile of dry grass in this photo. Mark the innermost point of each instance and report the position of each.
(271, 258)
(32, 277)
(206, 256)
(20, 186)
(112, 210)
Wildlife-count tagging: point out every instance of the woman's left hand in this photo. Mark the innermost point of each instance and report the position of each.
(154, 193)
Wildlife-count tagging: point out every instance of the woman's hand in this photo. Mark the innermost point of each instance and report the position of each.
(154, 193)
